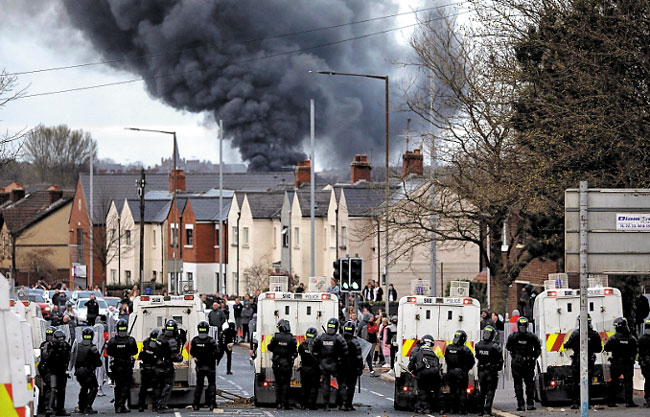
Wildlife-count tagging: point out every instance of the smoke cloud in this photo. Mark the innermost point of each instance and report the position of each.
(264, 102)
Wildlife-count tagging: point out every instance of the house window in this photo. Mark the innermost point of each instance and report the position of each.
(154, 275)
(79, 204)
(113, 275)
(245, 236)
(189, 237)
(275, 237)
(217, 242)
(344, 237)
(153, 235)
(332, 236)
(174, 234)
(285, 237)
(190, 276)
(127, 237)
(296, 237)
(235, 236)
(127, 274)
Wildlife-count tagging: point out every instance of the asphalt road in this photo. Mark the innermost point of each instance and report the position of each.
(375, 399)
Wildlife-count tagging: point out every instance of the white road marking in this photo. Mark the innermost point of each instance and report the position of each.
(390, 399)
(177, 414)
(378, 394)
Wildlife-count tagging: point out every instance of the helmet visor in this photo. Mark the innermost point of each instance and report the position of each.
(488, 334)
(331, 328)
(458, 339)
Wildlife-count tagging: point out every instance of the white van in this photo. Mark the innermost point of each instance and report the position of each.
(18, 395)
(302, 311)
(439, 317)
(556, 312)
(151, 312)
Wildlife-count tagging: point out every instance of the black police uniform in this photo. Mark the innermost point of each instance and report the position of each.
(330, 349)
(228, 336)
(205, 350)
(352, 369)
(459, 360)
(524, 348)
(122, 349)
(489, 356)
(594, 346)
(175, 340)
(425, 368)
(56, 360)
(151, 366)
(87, 360)
(644, 360)
(42, 370)
(623, 347)
(309, 374)
(284, 348)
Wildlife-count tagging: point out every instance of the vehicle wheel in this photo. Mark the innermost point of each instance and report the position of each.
(543, 399)
(396, 402)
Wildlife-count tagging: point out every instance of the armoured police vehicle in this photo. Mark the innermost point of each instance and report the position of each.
(151, 312)
(556, 312)
(440, 317)
(302, 311)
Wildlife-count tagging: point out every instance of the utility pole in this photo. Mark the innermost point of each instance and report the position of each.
(221, 277)
(89, 278)
(140, 185)
(312, 187)
(584, 271)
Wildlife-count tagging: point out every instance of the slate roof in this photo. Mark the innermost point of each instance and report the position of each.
(266, 205)
(321, 202)
(363, 202)
(207, 209)
(108, 187)
(155, 211)
(32, 208)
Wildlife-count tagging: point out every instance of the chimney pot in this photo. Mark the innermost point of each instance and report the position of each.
(412, 163)
(360, 168)
(180, 180)
(303, 173)
(17, 194)
(54, 194)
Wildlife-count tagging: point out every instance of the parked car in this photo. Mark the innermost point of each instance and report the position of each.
(113, 306)
(80, 308)
(77, 295)
(42, 303)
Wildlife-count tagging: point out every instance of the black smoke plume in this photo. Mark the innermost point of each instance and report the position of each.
(264, 103)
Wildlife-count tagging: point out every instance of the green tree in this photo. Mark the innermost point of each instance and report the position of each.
(58, 153)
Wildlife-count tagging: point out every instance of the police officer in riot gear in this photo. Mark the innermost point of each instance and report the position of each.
(42, 369)
(331, 349)
(175, 340)
(644, 360)
(525, 348)
(425, 368)
(151, 364)
(205, 350)
(121, 348)
(459, 361)
(284, 348)
(490, 361)
(55, 363)
(354, 366)
(594, 346)
(623, 347)
(309, 370)
(86, 360)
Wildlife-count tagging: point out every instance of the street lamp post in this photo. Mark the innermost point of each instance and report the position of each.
(387, 184)
(140, 186)
(174, 202)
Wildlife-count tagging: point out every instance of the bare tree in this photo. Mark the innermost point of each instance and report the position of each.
(10, 142)
(257, 276)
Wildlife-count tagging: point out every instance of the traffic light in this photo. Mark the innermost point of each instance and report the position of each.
(345, 274)
(356, 274)
(337, 270)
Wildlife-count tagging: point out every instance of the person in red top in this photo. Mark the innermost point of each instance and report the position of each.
(513, 320)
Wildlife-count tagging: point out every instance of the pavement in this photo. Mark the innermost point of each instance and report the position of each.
(374, 400)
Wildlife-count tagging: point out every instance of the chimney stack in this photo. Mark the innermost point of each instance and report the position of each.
(303, 173)
(412, 163)
(17, 194)
(180, 180)
(54, 194)
(360, 168)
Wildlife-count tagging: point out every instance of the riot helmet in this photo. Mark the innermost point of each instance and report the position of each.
(170, 327)
(311, 333)
(153, 336)
(122, 328)
(349, 327)
(460, 337)
(588, 322)
(87, 334)
(620, 324)
(332, 326)
(58, 336)
(646, 327)
(427, 341)
(231, 325)
(522, 324)
(488, 333)
(203, 328)
(49, 332)
(284, 326)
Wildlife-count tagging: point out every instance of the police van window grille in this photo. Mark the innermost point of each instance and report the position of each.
(591, 306)
(309, 310)
(286, 310)
(450, 315)
(569, 307)
(159, 321)
(428, 314)
(179, 319)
